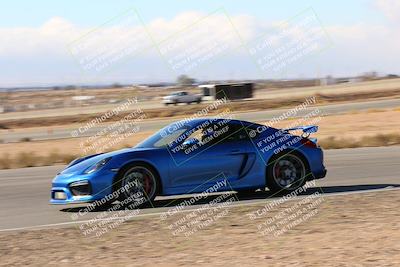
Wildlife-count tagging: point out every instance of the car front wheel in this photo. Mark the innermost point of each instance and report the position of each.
(138, 185)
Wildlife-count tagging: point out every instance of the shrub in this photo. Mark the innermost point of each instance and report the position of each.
(366, 141)
(25, 159)
(5, 161)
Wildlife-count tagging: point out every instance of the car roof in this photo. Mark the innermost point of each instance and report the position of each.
(197, 121)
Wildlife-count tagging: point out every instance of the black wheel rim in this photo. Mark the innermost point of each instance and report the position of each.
(289, 171)
(139, 184)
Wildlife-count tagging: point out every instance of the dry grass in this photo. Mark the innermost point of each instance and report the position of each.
(31, 159)
(366, 141)
(375, 110)
(5, 161)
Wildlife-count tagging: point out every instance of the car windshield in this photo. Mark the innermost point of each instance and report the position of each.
(164, 136)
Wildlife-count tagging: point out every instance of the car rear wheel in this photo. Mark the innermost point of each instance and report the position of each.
(286, 173)
(138, 185)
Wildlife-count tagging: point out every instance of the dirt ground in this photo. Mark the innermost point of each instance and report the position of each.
(353, 125)
(348, 230)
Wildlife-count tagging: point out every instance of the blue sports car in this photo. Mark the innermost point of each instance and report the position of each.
(190, 156)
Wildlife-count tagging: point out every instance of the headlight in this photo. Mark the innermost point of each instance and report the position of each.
(97, 166)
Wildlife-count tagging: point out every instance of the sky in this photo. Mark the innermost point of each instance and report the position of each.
(90, 42)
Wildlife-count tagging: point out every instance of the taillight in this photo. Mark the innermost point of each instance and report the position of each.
(308, 143)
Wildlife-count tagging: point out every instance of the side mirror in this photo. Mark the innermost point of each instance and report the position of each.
(190, 142)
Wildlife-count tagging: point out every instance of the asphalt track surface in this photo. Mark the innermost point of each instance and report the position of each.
(24, 193)
(153, 125)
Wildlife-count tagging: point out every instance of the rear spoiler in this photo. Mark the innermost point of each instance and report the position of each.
(307, 130)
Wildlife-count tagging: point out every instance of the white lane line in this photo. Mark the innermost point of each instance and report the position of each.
(191, 208)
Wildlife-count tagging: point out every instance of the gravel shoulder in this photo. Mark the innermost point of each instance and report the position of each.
(348, 230)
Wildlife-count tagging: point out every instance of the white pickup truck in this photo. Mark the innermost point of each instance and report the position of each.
(181, 97)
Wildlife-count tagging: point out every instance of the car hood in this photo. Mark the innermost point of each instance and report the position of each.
(88, 161)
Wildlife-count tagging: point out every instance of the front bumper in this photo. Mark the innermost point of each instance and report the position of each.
(98, 186)
(69, 198)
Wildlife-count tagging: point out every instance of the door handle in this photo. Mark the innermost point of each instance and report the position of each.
(235, 151)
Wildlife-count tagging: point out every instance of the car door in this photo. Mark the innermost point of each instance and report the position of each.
(185, 97)
(225, 156)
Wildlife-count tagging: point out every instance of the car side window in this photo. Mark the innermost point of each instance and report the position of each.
(224, 133)
(198, 134)
(237, 132)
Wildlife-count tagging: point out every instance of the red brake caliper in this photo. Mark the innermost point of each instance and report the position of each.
(147, 186)
(277, 171)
